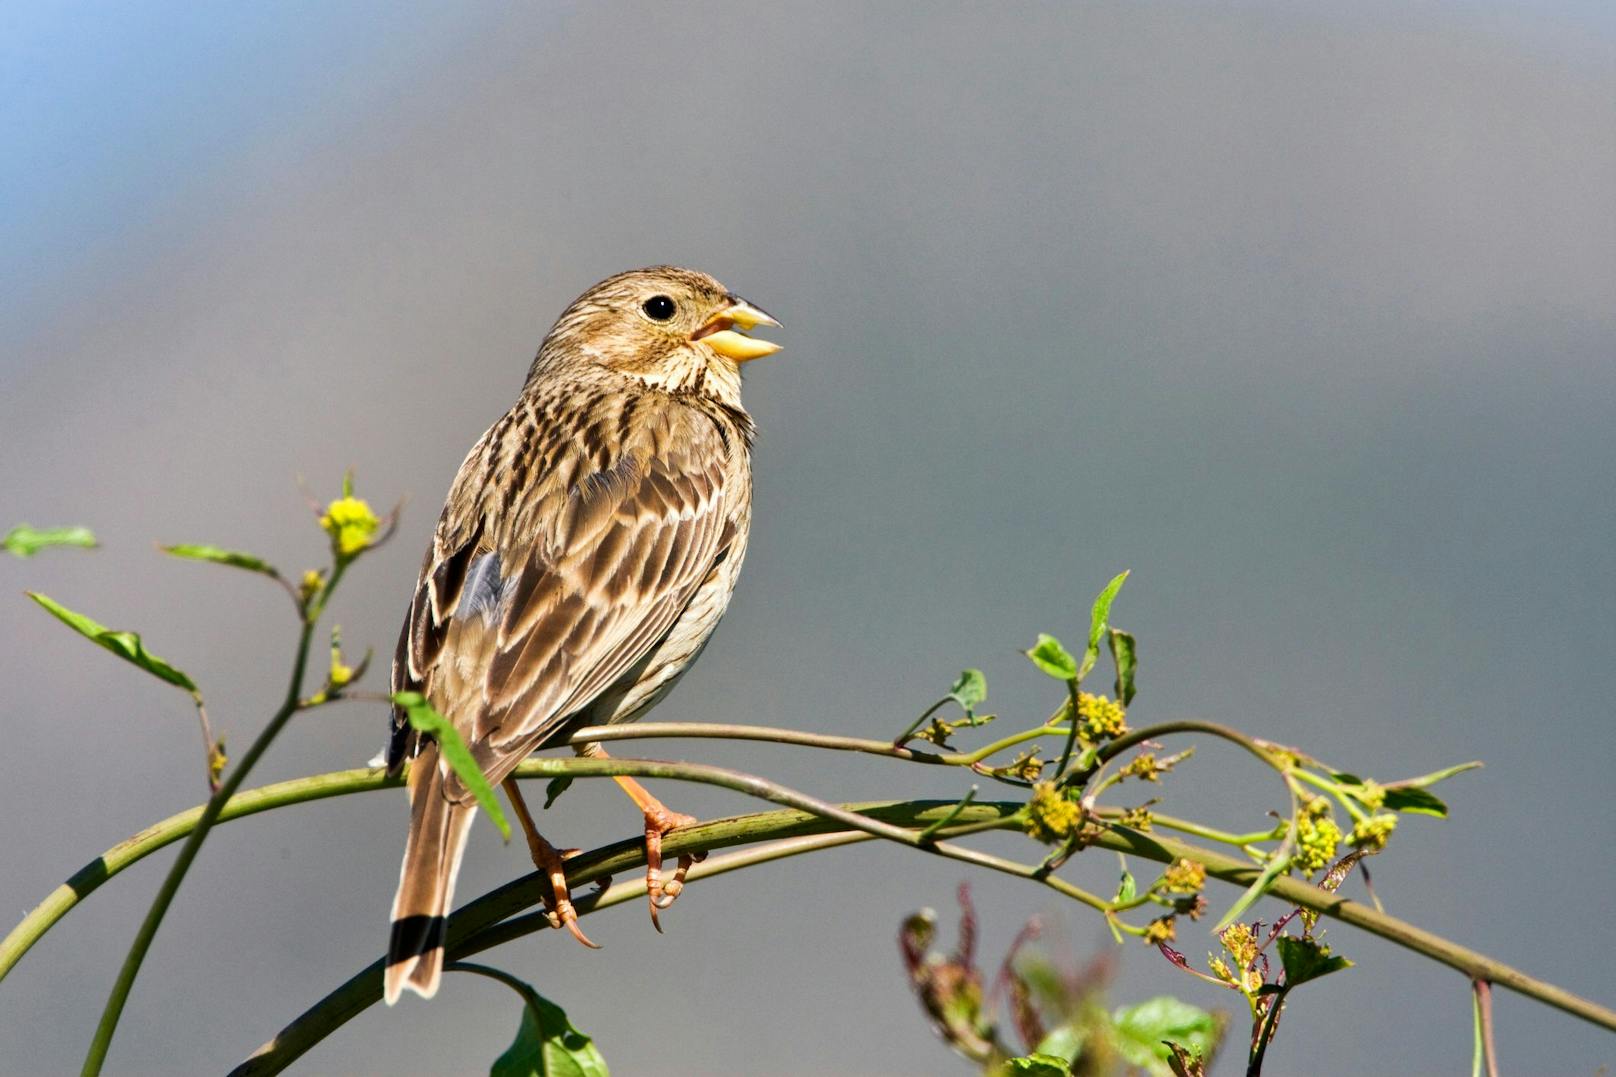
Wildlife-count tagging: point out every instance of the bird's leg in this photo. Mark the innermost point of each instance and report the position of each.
(548, 859)
(658, 821)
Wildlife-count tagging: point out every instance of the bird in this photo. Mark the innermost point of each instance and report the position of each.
(587, 548)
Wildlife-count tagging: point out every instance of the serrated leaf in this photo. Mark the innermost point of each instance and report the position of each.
(970, 689)
(1099, 620)
(452, 747)
(1124, 656)
(1049, 655)
(218, 556)
(126, 645)
(1307, 959)
(1037, 1065)
(1416, 801)
(1142, 1029)
(25, 541)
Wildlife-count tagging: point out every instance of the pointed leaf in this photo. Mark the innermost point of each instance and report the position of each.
(232, 558)
(969, 690)
(25, 541)
(1125, 658)
(547, 1045)
(553, 789)
(1307, 959)
(1054, 659)
(1127, 888)
(453, 748)
(1417, 801)
(1099, 620)
(125, 645)
(1435, 776)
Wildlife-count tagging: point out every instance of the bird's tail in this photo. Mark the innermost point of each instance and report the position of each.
(438, 831)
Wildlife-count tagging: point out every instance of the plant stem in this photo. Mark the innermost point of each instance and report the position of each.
(102, 1040)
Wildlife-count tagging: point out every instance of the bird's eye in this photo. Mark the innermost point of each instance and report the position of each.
(659, 308)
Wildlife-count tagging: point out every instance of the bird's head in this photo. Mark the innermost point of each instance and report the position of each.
(674, 329)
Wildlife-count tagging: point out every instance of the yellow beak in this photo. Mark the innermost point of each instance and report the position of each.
(718, 332)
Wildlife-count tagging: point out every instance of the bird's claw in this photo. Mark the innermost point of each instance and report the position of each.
(660, 894)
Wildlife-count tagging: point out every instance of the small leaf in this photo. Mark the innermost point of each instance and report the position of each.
(452, 747)
(232, 558)
(1435, 776)
(969, 690)
(125, 645)
(1417, 801)
(1125, 657)
(546, 1044)
(1050, 656)
(1183, 1063)
(554, 788)
(25, 541)
(1037, 1065)
(1099, 620)
(1127, 888)
(1346, 779)
(1142, 1029)
(1307, 959)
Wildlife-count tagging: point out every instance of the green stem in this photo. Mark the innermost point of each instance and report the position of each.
(102, 1040)
(1185, 826)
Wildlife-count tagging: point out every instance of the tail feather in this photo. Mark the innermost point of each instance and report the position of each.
(438, 831)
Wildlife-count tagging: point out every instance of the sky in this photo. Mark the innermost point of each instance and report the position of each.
(1304, 315)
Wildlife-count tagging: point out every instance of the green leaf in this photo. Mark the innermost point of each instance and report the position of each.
(1142, 1029)
(1099, 620)
(1125, 658)
(25, 541)
(1127, 888)
(453, 748)
(1307, 959)
(1436, 776)
(232, 558)
(125, 645)
(547, 1045)
(554, 788)
(1037, 1065)
(1417, 801)
(969, 690)
(1054, 659)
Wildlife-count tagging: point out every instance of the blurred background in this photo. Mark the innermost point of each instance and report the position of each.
(1303, 314)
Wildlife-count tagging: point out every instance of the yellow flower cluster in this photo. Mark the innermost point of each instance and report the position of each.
(1144, 767)
(1317, 837)
(1100, 718)
(1161, 930)
(1371, 834)
(1138, 818)
(1051, 815)
(1184, 877)
(1241, 944)
(350, 523)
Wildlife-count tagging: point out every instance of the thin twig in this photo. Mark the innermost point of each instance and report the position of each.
(1484, 1024)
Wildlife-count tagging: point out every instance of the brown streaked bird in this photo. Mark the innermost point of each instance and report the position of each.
(587, 549)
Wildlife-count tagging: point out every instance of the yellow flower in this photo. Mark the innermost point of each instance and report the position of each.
(350, 523)
(1184, 877)
(1160, 930)
(1051, 816)
(1317, 837)
(1100, 718)
(1371, 834)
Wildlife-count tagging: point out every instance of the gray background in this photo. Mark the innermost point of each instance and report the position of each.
(1304, 316)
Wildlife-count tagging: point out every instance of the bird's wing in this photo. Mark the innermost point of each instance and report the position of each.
(516, 628)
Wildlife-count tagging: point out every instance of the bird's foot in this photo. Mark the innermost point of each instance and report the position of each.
(659, 821)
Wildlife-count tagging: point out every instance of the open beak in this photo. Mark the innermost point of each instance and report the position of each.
(719, 331)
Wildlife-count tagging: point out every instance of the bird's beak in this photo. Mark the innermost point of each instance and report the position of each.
(718, 332)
